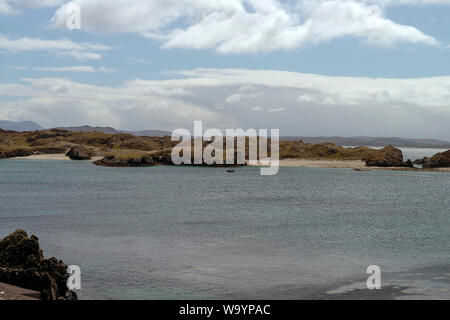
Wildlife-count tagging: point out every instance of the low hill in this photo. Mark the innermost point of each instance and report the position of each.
(141, 133)
(375, 141)
(19, 126)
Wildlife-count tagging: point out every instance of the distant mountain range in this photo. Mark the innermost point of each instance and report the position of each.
(340, 141)
(148, 133)
(20, 126)
(375, 141)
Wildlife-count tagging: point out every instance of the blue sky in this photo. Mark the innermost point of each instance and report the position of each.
(307, 67)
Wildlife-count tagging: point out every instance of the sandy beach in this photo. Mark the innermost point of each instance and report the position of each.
(351, 164)
(9, 292)
(300, 163)
(58, 156)
(348, 164)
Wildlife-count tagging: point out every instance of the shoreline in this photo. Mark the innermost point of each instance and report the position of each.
(10, 292)
(56, 156)
(357, 165)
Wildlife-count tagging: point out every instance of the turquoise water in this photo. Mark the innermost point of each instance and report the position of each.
(190, 233)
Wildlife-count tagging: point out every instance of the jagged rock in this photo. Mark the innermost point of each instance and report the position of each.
(80, 153)
(408, 164)
(386, 157)
(22, 264)
(439, 160)
(21, 152)
(421, 161)
(126, 160)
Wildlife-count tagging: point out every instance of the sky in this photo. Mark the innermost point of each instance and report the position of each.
(306, 67)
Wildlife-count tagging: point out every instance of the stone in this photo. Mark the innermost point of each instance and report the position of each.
(387, 157)
(22, 264)
(439, 160)
(80, 153)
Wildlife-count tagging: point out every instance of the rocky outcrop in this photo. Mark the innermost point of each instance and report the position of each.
(22, 264)
(145, 159)
(131, 159)
(420, 162)
(386, 157)
(408, 164)
(21, 152)
(80, 153)
(439, 160)
(49, 150)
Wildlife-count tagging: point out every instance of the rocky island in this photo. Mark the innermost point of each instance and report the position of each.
(128, 150)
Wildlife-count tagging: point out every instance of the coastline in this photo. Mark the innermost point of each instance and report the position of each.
(358, 165)
(56, 156)
(10, 292)
(316, 163)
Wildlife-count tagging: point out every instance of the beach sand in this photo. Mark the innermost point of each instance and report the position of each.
(301, 163)
(9, 292)
(58, 156)
(350, 164)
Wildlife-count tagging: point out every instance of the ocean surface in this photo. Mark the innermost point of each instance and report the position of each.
(194, 233)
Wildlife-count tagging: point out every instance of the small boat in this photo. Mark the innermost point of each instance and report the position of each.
(230, 170)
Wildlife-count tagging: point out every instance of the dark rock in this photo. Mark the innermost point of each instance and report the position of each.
(22, 264)
(408, 164)
(126, 160)
(21, 152)
(80, 153)
(439, 160)
(386, 157)
(420, 162)
(163, 158)
(49, 150)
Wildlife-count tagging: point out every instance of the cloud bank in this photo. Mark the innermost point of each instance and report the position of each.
(248, 26)
(298, 104)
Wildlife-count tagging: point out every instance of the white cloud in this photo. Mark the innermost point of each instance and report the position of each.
(5, 8)
(58, 101)
(137, 61)
(9, 7)
(87, 69)
(305, 104)
(244, 94)
(277, 109)
(62, 47)
(246, 26)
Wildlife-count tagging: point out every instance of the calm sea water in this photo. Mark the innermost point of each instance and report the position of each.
(191, 233)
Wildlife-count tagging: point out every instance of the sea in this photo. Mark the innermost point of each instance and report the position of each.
(204, 233)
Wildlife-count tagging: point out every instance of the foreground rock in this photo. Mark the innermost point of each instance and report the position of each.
(80, 153)
(439, 160)
(22, 264)
(386, 157)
